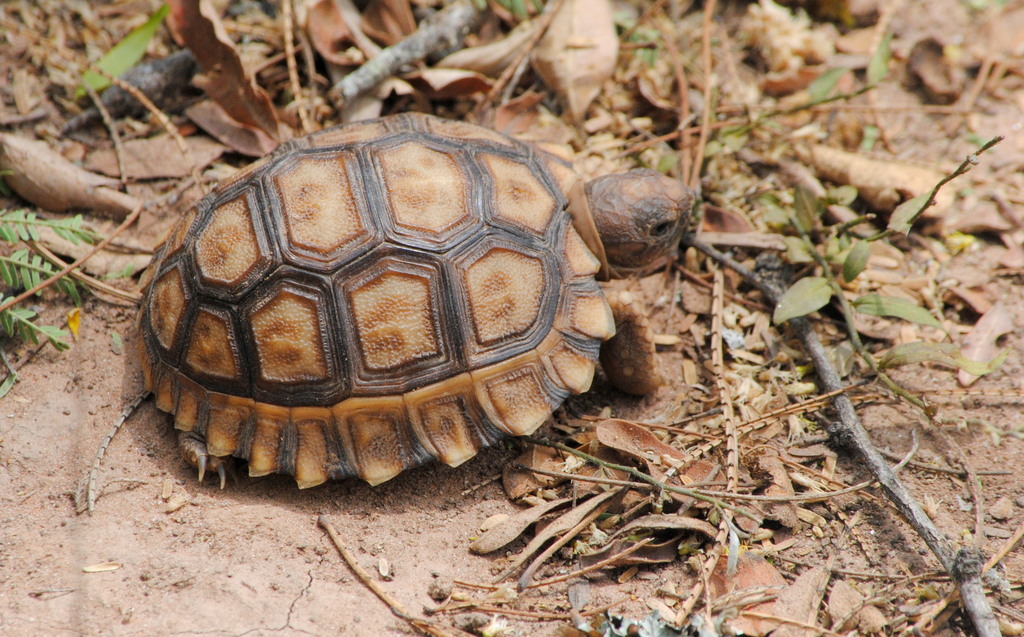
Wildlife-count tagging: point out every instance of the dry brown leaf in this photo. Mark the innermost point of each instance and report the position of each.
(884, 184)
(156, 157)
(942, 78)
(578, 53)
(981, 343)
(196, 24)
(846, 605)
(519, 114)
(634, 440)
(781, 485)
(388, 21)
(519, 482)
(564, 523)
(491, 59)
(330, 35)
(662, 552)
(240, 138)
(45, 178)
(658, 522)
(752, 572)
(799, 601)
(512, 527)
(445, 84)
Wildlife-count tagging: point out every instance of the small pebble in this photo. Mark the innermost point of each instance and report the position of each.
(471, 622)
(1002, 509)
(440, 589)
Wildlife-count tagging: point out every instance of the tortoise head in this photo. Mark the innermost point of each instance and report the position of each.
(637, 217)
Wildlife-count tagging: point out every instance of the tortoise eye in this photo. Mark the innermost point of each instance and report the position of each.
(661, 229)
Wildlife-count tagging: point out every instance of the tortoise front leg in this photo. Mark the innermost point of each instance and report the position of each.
(193, 449)
(628, 358)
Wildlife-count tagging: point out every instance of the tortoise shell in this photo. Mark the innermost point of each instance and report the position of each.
(374, 296)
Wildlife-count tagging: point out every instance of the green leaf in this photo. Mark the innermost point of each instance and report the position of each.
(805, 296)
(946, 354)
(878, 65)
(125, 54)
(878, 305)
(805, 207)
(8, 383)
(843, 195)
(856, 260)
(797, 251)
(55, 335)
(821, 88)
(905, 214)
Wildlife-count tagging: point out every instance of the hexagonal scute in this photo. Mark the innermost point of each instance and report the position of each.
(395, 315)
(505, 289)
(520, 199)
(212, 349)
(289, 338)
(428, 193)
(227, 250)
(168, 300)
(319, 206)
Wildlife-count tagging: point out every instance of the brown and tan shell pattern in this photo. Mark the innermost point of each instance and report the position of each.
(371, 297)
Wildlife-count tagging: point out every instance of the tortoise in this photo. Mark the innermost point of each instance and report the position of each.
(377, 295)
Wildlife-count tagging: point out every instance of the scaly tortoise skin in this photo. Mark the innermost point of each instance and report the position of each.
(377, 295)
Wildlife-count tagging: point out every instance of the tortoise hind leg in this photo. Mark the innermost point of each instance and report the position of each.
(628, 358)
(193, 449)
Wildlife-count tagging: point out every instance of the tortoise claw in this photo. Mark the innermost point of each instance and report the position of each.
(193, 449)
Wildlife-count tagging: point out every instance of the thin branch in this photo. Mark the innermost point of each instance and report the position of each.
(444, 29)
(848, 431)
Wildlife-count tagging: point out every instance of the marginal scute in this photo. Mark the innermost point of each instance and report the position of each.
(503, 288)
(578, 257)
(163, 389)
(191, 399)
(426, 189)
(167, 300)
(212, 346)
(395, 317)
(443, 418)
(228, 416)
(318, 203)
(268, 434)
(591, 316)
(227, 250)
(519, 198)
(289, 341)
(569, 368)
(372, 429)
(177, 236)
(563, 174)
(513, 394)
(311, 456)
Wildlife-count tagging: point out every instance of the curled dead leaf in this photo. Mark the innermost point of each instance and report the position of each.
(634, 440)
(512, 527)
(240, 138)
(491, 59)
(518, 481)
(578, 53)
(982, 342)
(440, 83)
(224, 78)
(45, 178)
